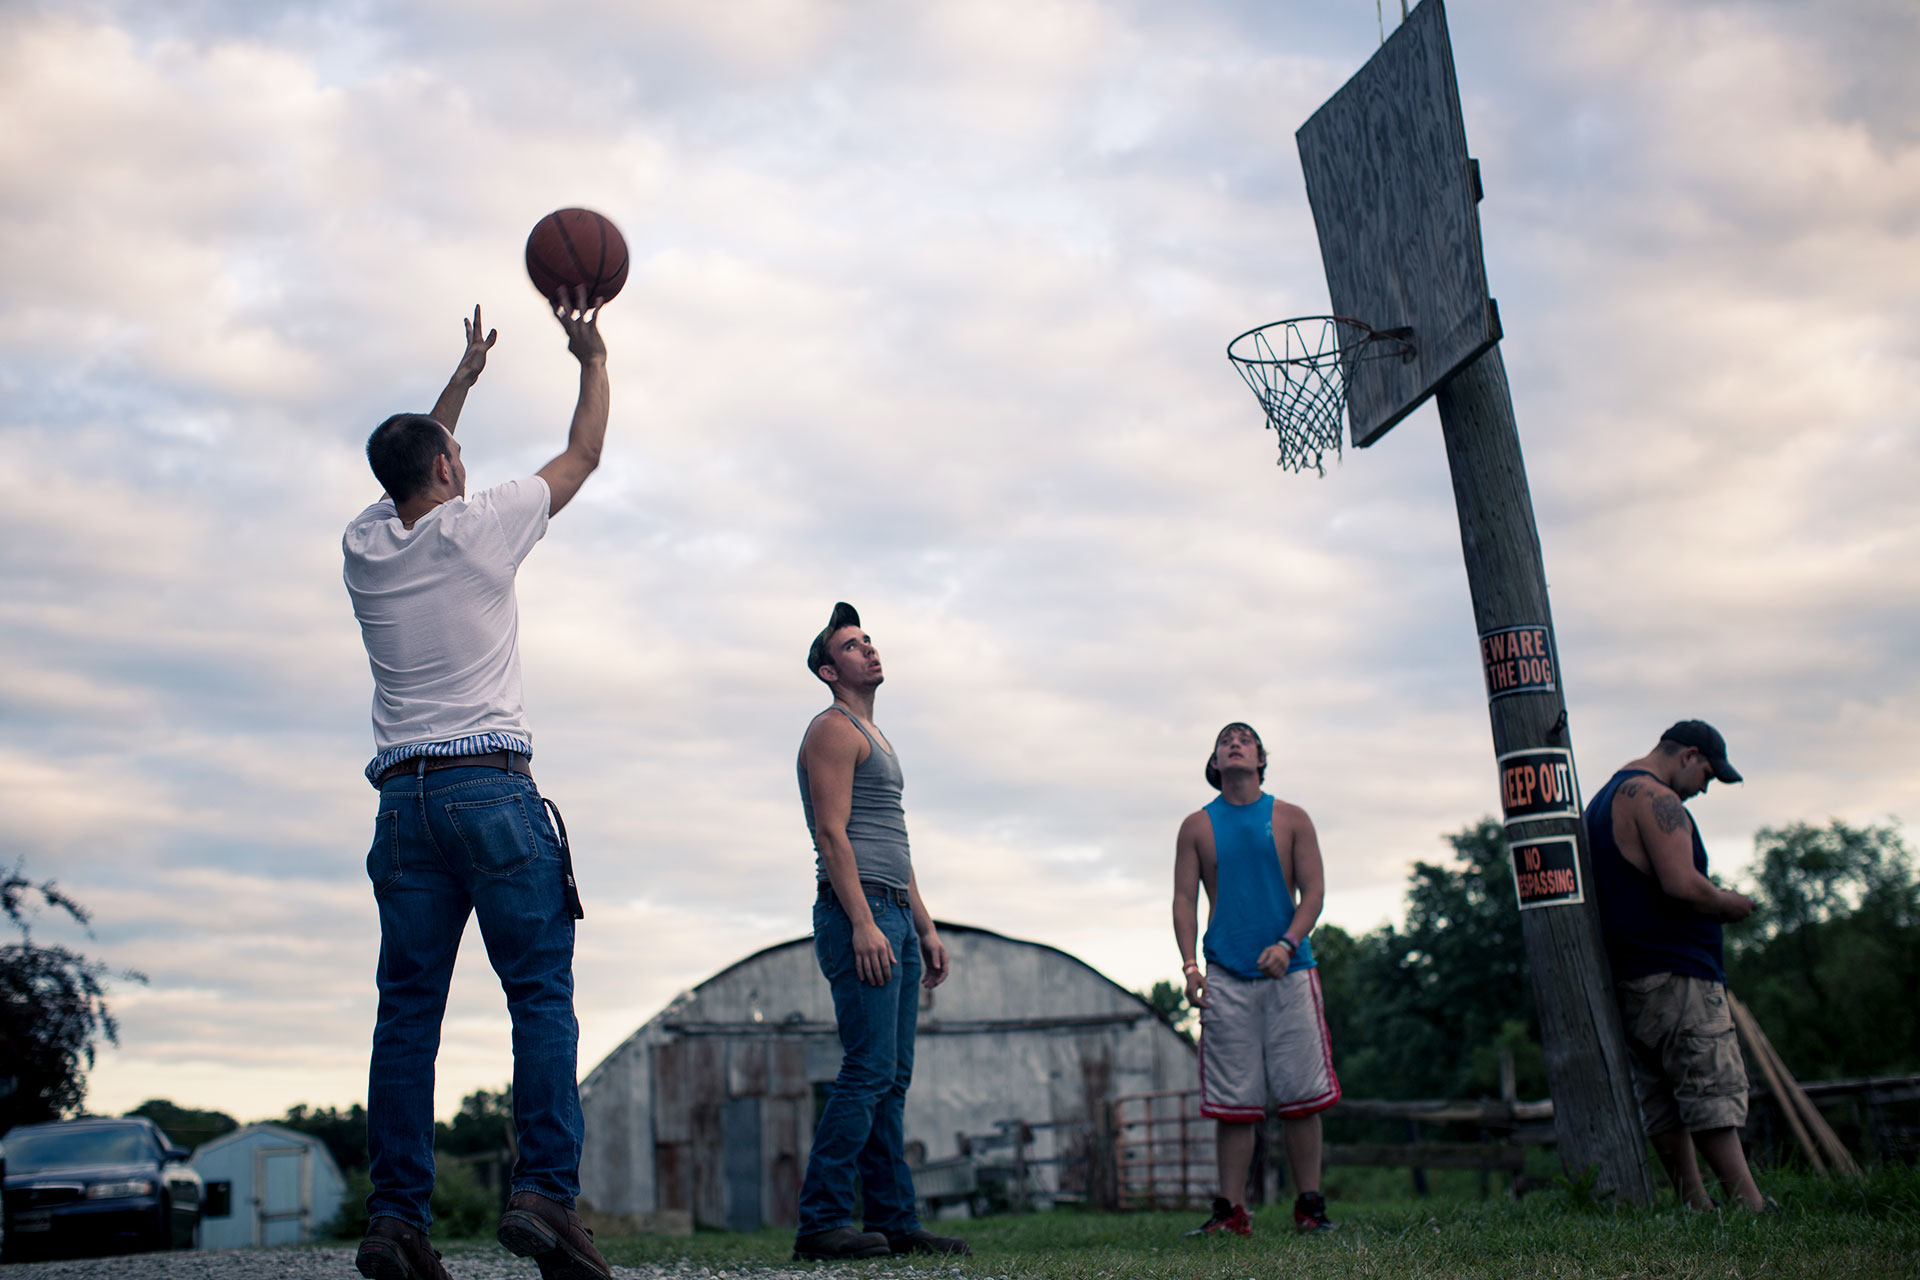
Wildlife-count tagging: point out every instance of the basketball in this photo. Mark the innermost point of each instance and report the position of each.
(572, 247)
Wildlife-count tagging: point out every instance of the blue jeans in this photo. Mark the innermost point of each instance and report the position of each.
(447, 844)
(861, 1130)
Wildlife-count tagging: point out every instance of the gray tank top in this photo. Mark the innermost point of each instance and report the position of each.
(876, 824)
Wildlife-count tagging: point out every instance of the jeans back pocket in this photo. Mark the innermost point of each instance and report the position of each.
(496, 833)
(383, 859)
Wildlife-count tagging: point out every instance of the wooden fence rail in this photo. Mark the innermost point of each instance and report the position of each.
(1156, 1151)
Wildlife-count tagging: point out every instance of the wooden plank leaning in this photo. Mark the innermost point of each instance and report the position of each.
(1788, 1093)
(1749, 1032)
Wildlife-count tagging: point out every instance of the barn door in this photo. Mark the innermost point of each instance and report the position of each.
(740, 1134)
(282, 1211)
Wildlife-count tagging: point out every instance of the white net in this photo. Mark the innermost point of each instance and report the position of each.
(1298, 369)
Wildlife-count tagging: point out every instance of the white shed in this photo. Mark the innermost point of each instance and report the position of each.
(267, 1185)
(708, 1109)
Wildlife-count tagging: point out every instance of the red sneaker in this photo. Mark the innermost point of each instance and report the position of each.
(1310, 1213)
(1226, 1217)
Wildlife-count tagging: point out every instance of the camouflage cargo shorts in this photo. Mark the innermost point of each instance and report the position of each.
(1687, 1068)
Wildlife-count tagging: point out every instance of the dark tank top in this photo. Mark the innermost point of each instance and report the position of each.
(876, 821)
(1647, 930)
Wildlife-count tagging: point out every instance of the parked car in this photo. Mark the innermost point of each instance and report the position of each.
(96, 1186)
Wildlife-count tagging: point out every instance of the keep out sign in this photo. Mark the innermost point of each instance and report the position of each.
(1538, 784)
(1517, 660)
(1546, 872)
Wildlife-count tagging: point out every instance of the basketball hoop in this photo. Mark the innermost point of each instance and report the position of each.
(1298, 370)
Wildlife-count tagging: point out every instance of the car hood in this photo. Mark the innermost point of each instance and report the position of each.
(85, 1173)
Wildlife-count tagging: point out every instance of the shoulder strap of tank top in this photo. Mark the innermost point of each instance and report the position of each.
(871, 744)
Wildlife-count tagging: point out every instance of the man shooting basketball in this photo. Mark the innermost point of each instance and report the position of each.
(461, 827)
(1660, 918)
(876, 944)
(1263, 1036)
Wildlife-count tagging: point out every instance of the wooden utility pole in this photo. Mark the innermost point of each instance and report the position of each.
(1395, 201)
(1595, 1116)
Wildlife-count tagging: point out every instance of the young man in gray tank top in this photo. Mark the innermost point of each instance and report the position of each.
(876, 944)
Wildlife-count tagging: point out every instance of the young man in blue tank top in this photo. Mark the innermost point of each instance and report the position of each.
(876, 944)
(1660, 918)
(1263, 1030)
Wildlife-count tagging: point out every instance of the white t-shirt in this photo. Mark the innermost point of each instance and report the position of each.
(438, 614)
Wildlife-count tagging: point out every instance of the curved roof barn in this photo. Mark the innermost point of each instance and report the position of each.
(708, 1109)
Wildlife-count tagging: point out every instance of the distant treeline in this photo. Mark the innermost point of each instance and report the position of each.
(1828, 964)
(480, 1127)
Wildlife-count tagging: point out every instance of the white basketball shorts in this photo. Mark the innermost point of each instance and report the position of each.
(1265, 1042)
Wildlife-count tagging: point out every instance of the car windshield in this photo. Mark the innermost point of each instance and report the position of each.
(44, 1149)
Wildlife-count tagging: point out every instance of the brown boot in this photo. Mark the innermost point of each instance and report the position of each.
(396, 1250)
(839, 1243)
(552, 1235)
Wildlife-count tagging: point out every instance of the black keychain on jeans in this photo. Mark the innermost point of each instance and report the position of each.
(566, 861)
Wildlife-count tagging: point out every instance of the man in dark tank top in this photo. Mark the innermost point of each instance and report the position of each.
(1661, 918)
(876, 944)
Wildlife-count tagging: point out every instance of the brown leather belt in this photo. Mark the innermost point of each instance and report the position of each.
(509, 761)
(885, 892)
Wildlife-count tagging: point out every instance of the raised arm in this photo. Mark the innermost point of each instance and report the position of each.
(1186, 907)
(831, 752)
(566, 473)
(446, 410)
(1664, 830)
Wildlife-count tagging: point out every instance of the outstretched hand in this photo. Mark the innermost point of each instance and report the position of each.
(475, 359)
(582, 323)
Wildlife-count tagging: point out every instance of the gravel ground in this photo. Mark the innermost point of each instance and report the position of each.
(336, 1263)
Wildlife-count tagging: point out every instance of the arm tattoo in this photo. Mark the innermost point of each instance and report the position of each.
(1630, 788)
(1668, 813)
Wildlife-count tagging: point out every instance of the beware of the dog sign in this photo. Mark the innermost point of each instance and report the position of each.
(1517, 660)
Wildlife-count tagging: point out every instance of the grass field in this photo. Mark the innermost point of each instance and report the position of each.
(1829, 1231)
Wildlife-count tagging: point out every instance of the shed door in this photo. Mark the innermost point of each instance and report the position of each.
(281, 1211)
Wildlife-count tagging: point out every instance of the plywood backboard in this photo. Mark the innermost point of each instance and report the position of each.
(1394, 199)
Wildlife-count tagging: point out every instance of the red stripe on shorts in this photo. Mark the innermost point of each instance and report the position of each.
(1321, 1101)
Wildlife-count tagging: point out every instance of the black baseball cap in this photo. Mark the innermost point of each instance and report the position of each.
(1213, 774)
(1705, 739)
(843, 615)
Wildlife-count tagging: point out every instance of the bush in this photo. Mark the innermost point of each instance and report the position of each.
(461, 1206)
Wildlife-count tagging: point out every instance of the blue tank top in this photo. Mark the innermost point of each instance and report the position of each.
(1251, 905)
(876, 819)
(1646, 929)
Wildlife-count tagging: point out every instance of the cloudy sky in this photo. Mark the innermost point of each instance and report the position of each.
(928, 312)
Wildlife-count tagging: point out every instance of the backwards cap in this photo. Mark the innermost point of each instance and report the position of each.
(843, 615)
(1213, 774)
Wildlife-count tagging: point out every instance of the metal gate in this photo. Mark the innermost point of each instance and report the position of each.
(1163, 1151)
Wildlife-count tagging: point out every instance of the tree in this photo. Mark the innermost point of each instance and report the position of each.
(344, 1132)
(1830, 958)
(482, 1126)
(185, 1126)
(1424, 1010)
(53, 1009)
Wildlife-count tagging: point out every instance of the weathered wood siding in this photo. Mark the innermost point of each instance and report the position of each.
(1019, 1030)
